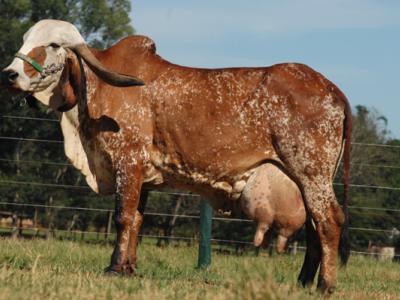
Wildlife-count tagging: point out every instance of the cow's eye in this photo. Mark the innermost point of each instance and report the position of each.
(54, 45)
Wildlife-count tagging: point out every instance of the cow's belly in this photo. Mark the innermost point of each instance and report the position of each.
(223, 191)
(221, 155)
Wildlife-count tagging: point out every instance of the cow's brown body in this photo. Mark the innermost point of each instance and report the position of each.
(204, 130)
(212, 126)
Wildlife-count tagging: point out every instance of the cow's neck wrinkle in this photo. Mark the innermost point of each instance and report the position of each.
(71, 126)
(73, 146)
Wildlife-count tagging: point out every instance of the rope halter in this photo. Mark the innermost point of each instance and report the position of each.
(43, 71)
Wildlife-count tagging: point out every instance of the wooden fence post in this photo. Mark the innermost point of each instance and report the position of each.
(206, 212)
(35, 221)
(20, 225)
(109, 224)
(14, 225)
(50, 233)
(294, 249)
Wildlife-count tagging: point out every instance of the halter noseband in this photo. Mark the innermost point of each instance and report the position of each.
(43, 71)
(30, 61)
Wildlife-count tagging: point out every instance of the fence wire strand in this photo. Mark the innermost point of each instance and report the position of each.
(164, 214)
(66, 186)
(69, 164)
(185, 238)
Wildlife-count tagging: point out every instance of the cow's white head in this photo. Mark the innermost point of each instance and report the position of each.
(48, 57)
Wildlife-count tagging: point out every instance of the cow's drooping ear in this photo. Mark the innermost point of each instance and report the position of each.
(70, 83)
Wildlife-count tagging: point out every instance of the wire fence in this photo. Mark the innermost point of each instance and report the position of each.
(192, 240)
(67, 186)
(353, 209)
(27, 139)
(164, 214)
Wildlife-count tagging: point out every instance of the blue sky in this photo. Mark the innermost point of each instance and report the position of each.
(354, 43)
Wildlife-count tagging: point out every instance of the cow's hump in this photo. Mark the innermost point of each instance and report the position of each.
(139, 43)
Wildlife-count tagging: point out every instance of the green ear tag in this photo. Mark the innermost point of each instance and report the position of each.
(30, 61)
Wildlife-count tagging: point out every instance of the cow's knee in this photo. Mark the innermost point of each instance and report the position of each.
(122, 221)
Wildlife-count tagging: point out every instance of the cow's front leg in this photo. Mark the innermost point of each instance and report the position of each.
(128, 185)
(130, 266)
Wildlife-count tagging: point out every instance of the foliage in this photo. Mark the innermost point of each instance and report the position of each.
(102, 22)
(373, 166)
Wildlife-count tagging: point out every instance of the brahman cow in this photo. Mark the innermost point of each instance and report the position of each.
(204, 130)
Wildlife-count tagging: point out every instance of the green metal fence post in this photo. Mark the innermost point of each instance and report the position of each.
(206, 212)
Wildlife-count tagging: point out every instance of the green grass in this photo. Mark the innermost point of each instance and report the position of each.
(39, 269)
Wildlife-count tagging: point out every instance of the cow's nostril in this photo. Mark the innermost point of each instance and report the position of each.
(8, 77)
(12, 76)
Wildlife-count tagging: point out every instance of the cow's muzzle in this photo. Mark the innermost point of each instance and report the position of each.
(8, 78)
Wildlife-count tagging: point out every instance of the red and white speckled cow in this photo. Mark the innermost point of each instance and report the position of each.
(205, 130)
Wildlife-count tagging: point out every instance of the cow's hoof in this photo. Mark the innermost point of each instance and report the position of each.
(126, 270)
(112, 271)
(129, 269)
(331, 289)
(327, 291)
(325, 288)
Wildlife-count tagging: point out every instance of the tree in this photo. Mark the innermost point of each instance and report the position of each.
(372, 166)
(101, 22)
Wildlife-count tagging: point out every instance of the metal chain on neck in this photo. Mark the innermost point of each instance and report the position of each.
(50, 69)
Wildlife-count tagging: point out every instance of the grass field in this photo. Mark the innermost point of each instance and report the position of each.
(39, 269)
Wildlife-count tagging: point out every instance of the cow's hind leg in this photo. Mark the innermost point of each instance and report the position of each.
(312, 258)
(312, 166)
(328, 218)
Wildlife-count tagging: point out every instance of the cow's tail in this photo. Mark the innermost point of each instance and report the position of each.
(344, 242)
